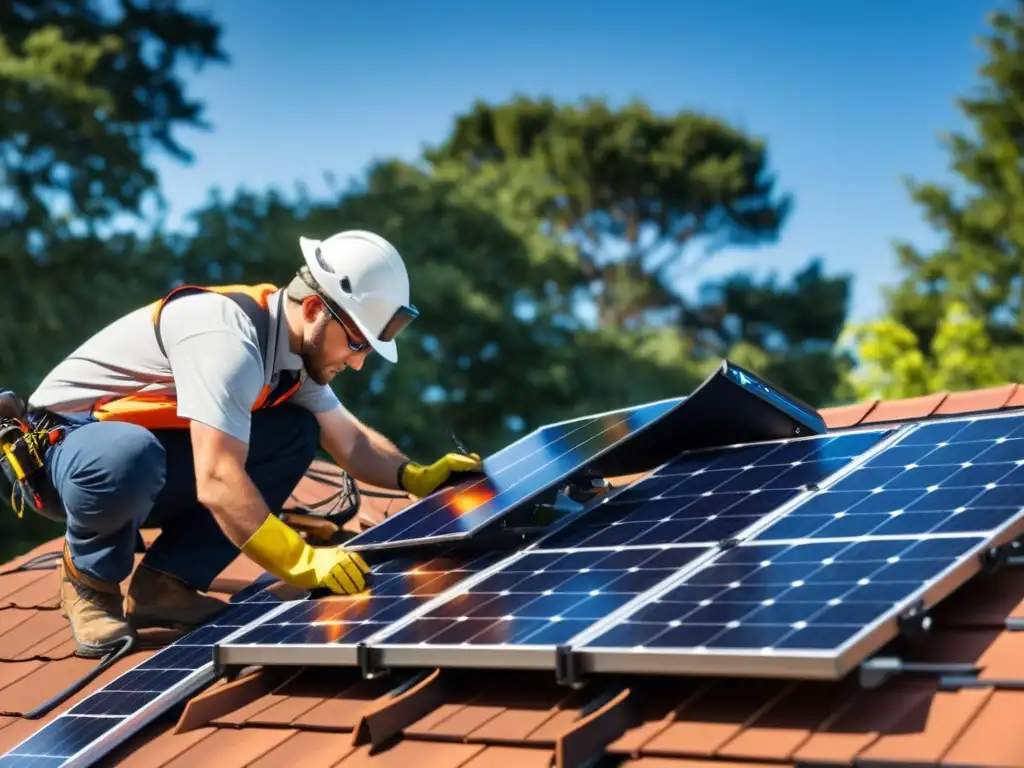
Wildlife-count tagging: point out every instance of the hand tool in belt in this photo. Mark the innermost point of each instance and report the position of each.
(23, 452)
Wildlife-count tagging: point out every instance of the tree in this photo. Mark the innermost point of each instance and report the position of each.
(90, 92)
(957, 313)
(787, 332)
(636, 191)
(642, 199)
(895, 363)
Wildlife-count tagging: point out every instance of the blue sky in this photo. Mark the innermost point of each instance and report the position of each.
(849, 96)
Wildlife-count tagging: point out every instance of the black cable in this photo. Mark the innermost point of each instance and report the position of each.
(47, 561)
(127, 646)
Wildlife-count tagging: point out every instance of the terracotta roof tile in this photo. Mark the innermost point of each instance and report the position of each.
(326, 717)
(906, 409)
(928, 729)
(993, 736)
(1016, 400)
(990, 399)
(420, 754)
(222, 747)
(310, 749)
(844, 416)
(518, 757)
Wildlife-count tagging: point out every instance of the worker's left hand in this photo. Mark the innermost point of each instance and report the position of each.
(420, 480)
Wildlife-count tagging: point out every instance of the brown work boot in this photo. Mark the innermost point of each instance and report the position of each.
(94, 609)
(157, 600)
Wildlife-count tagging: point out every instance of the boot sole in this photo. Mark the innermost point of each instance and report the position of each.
(90, 651)
(97, 651)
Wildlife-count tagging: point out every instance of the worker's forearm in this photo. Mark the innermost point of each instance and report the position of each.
(374, 459)
(236, 504)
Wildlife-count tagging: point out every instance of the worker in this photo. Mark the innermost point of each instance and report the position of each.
(199, 415)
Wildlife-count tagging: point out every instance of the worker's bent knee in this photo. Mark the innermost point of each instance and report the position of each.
(109, 474)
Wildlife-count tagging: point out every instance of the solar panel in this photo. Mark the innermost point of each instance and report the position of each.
(543, 597)
(712, 495)
(513, 476)
(958, 476)
(518, 613)
(330, 630)
(108, 716)
(810, 609)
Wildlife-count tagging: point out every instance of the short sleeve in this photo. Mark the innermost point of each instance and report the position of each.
(216, 362)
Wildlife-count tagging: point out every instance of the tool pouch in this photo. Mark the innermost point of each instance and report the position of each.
(22, 461)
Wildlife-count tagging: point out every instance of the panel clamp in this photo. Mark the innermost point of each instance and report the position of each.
(915, 622)
(367, 659)
(567, 670)
(996, 558)
(877, 671)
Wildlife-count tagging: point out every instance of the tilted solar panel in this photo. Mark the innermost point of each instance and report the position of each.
(513, 475)
(108, 716)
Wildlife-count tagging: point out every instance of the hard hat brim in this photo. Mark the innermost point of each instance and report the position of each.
(386, 349)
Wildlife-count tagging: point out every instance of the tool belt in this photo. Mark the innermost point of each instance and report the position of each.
(23, 459)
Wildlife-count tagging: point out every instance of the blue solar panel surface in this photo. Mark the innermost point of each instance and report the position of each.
(114, 704)
(399, 587)
(543, 598)
(963, 476)
(786, 597)
(713, 495)
(513, 476)
(811, 582)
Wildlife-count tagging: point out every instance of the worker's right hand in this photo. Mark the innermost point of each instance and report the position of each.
(281, 551)
(338, 570)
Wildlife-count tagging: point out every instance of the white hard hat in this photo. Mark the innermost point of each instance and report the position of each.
(364, 275)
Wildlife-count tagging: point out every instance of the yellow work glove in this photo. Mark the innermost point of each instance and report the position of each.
(420, 480)
(281, 551)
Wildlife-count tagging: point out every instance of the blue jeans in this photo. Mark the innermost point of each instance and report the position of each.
(112, 478)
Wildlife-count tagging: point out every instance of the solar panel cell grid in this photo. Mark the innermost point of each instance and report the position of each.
(543, 598)
(792, 597)
(714, 495)
(513, 476)
(106, 709)
(399, 587)
(954, 477)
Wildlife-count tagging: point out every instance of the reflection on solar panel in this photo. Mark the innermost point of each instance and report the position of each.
(106, 717)
(540, 600)
(514, 475)
(330, 629)
(962, 476)
(810, 609)
(713, 495)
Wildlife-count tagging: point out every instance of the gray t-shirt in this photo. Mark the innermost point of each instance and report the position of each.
(213, 364)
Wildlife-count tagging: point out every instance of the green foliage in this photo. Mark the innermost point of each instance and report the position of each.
(634, 190)
(643, 199)
(956, 317)
(786, 332)
(87, 98)
(896, 363)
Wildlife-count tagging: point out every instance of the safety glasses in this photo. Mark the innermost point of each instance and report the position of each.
(398, 322)
(357, 342)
